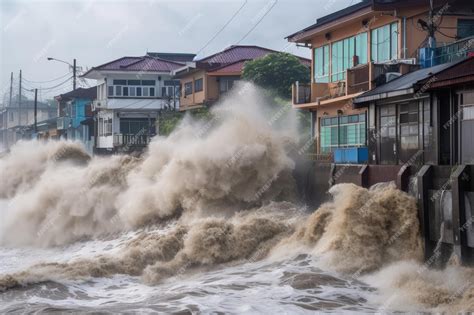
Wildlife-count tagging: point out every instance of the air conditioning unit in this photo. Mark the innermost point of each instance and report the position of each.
(389, 76)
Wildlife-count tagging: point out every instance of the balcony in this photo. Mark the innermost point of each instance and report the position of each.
(131, 140)
(359, 79)
(63, 123)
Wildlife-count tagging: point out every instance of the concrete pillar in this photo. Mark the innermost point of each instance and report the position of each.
(403, 178)
(460, 183)
(425, 182)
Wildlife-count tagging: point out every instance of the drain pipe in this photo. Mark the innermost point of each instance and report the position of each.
(404, 37)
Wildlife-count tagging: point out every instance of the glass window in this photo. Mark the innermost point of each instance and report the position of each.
(346, 54)
(120, 82)
(198, 85)
(139, 91)
(152, 91)
(111, 90)
(132, 90)
(351, 132)
(188, 88)
(125, 91)
(118, 90)
(384, 42)
(465, 28)
(134, 82)
(148, 82)
(145, 91)
(321, 64)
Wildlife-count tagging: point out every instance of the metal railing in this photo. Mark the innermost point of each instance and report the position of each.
(132, 140)
(302, 93)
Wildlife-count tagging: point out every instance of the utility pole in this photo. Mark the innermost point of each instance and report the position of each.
(11, 89)
(431, 28)
(36, 111)
(19, 101)
(74, 74)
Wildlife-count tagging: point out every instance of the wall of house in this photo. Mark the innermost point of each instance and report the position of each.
(212, 87)
(194, 98)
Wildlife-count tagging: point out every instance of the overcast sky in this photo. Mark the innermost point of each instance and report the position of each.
(98, 31)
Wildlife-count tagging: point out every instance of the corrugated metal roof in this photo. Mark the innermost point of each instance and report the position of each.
(403, 82)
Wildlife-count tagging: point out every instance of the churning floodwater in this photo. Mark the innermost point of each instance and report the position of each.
(208, 221)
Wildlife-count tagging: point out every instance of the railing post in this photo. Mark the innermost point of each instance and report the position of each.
(403, 178)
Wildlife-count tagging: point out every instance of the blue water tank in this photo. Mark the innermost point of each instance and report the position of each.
(351, 155)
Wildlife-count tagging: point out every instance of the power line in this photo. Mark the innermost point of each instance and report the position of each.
(223, 27)
(258, 22)
(48, 81)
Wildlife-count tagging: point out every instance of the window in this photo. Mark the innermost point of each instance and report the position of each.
(321, 64)
(132, 88)
(188, 88)
(198, 85)
(345, 54)
(465, 28)
(118, 90)
(101, 127)
(384, 42)
(134, 82)
(108, 127)
(226, 84)
(351, 132)
(148, 82)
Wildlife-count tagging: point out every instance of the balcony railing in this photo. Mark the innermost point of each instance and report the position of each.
(131, 140)
(359, 79)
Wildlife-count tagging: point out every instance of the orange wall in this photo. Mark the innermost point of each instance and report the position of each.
(194, 98)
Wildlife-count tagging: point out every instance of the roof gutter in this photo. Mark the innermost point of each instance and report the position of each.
(376, 97)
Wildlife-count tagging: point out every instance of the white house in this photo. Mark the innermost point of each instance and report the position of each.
(131, 91)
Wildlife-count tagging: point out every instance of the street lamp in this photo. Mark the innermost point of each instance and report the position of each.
(73, 69)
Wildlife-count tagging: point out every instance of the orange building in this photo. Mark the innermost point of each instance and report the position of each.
(205, 80)
(360, 47)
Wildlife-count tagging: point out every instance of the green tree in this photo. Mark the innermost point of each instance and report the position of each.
(276, 71)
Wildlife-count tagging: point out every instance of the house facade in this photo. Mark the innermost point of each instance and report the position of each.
(131, 92)
(75, 118)
(424, 117)
(17, 118)
(356, 49)
(205, 80)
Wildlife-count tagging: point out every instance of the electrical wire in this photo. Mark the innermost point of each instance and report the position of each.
(48, 81)
(223, 27)
(258, 22)
(453, 37)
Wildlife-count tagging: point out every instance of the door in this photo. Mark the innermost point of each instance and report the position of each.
(409, 133)
(388, 134)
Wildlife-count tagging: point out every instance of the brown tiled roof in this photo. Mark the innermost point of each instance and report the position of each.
(235, 67)
(236, 53)
(89, 93)
(145, 63)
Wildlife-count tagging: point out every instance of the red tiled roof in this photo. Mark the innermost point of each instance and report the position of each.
(145, 63)
(233, 67)
(237, 53)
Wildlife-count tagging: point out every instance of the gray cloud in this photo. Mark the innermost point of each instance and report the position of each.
(98, 31)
